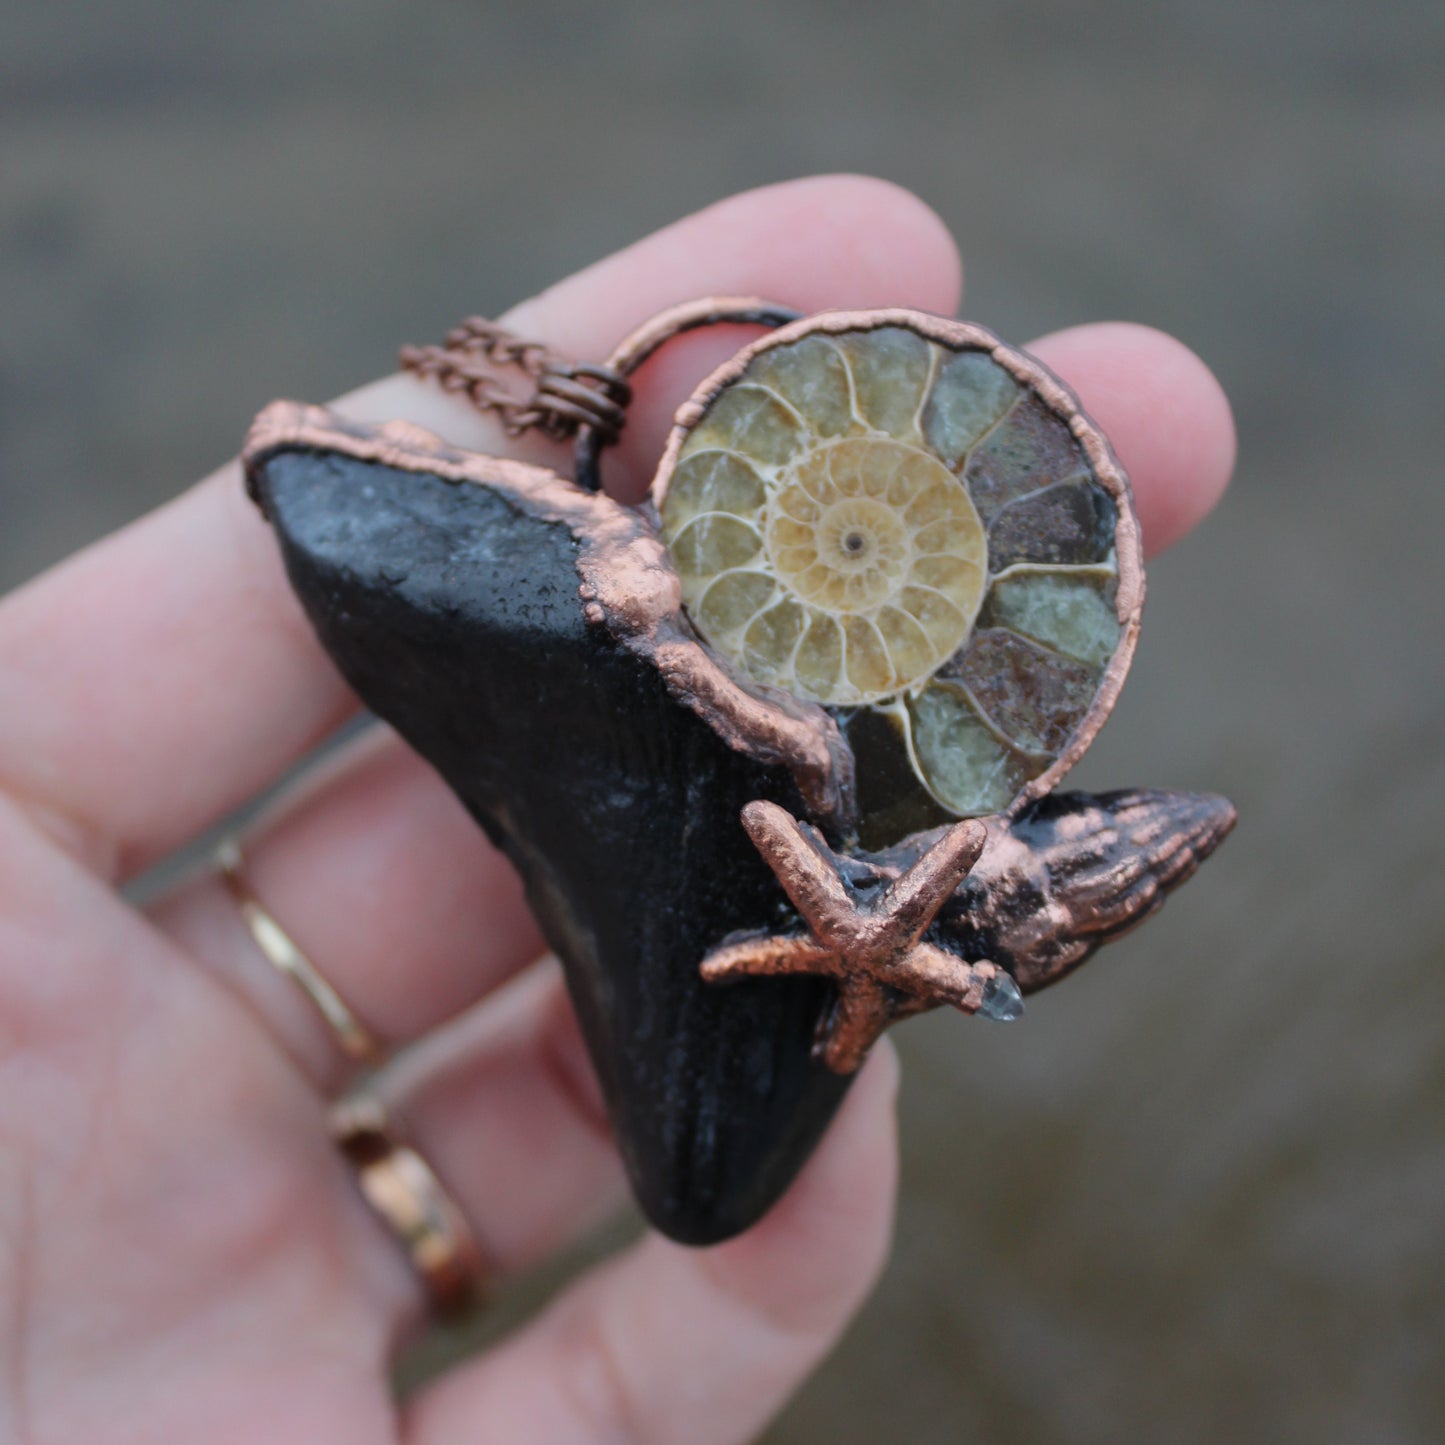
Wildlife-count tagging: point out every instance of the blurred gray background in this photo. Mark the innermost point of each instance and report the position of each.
(1199, 1194)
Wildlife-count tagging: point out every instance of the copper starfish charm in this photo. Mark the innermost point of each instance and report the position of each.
(872, 951)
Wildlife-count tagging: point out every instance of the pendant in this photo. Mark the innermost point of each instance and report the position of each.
(774, 752)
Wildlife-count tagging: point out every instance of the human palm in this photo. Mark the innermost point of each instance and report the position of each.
(184, 1255)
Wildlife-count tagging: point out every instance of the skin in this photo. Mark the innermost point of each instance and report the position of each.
(183, 1256)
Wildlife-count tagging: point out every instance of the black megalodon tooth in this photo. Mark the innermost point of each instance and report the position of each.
(525, 637)
(453, 610)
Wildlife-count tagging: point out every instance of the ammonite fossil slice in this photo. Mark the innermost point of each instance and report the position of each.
(915, 525)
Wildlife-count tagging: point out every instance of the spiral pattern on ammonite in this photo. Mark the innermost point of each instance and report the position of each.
(914, 525)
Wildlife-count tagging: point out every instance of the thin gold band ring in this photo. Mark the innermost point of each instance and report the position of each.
(353, 1038)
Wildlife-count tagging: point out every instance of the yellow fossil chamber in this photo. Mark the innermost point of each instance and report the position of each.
(915, 526)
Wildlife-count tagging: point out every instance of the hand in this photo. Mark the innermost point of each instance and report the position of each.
(183, 1254)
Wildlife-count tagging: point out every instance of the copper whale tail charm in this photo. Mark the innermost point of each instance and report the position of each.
(775, 752)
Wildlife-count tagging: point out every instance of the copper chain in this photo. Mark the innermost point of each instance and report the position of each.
(563, 396)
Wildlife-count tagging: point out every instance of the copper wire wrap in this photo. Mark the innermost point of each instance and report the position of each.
(564, 395)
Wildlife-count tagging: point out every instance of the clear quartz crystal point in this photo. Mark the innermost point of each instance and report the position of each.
(1002, 1001)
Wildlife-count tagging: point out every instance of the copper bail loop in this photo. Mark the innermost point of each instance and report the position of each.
(638, 345)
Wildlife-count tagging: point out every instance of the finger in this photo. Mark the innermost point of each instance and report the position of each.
(670, 1343)
(388, 887)
(156, 681)
(505, 1105)
(1165, 415)
(394, 870)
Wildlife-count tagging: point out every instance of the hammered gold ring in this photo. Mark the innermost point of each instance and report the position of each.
(409, 1199)
(352, 1037)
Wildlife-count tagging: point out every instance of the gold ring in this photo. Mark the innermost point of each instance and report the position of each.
(352, 1036)
(410, 1201)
